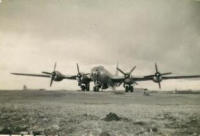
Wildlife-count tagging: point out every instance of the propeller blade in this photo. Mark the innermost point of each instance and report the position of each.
(121, 71)
(46, 73)
(159, 84)
(166, 73)
(117, 72)
(156, 67)
(51, 81)
(132, 70)
(54, 66)
(77, 66)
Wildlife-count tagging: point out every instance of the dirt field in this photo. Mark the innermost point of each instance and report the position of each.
(99, 114)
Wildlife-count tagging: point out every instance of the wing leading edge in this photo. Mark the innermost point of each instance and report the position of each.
(72, 77)
(151, 78)
(181, 77)
(35, 75)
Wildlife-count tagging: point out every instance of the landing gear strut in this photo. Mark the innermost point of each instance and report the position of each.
(96, 89)
(87, 87)
(83, 87)
(128, 88)
(97, 86)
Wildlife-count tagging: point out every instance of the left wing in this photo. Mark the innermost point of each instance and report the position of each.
(157, 77)
(150, 78)
(180, 77)
(121, 79)
(71, 77)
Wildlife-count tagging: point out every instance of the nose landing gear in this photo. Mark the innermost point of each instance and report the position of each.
(97, 86)
(96, 89)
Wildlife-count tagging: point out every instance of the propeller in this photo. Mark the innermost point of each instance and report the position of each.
(79, 74)
(128, 74)
(53, 74)
(158, 76)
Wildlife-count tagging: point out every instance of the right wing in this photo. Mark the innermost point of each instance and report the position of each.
(36, 75)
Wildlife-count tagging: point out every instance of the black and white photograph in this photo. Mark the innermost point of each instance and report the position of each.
(100, 67)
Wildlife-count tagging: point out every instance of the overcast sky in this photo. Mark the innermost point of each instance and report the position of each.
(36, 33)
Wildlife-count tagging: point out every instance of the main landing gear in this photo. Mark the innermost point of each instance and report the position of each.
(85, 87)
(96, 88)
(129, 88)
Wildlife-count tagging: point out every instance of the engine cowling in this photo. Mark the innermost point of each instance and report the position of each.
(128, 81)
(82, 79)
(157, 78)
(127, 76)
(57, 76)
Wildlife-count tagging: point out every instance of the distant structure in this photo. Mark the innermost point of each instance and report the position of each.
(175, 91)
(24, 87)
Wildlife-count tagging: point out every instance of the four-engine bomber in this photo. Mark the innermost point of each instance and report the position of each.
(103, 79)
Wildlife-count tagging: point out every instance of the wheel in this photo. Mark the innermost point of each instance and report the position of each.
(131, 89)
(83, 87)
(96, 89)
(87, 87)
(126, 89)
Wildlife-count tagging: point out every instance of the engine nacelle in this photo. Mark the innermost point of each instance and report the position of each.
(157, 79)
(83, 79)
(128, 81)
(58, 76)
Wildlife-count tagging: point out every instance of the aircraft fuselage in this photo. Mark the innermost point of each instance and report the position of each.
(101, 77)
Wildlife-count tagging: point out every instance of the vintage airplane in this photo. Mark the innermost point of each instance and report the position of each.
(104, 79)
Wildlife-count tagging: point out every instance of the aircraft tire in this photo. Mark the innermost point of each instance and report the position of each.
(83, 88)
(131, 89)
(126, 89)
(96, 89)
(87, 87)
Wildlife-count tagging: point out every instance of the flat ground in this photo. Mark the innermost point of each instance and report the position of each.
(81, 114)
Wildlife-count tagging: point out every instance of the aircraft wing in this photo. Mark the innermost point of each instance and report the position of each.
(150, 78)
(72, 77)
(121, 79)
(180, 77)
(147, 78)
(141, 78)
(36, 75)
(117, 79)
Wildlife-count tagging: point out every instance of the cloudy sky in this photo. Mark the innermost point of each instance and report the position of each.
(36, 33)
